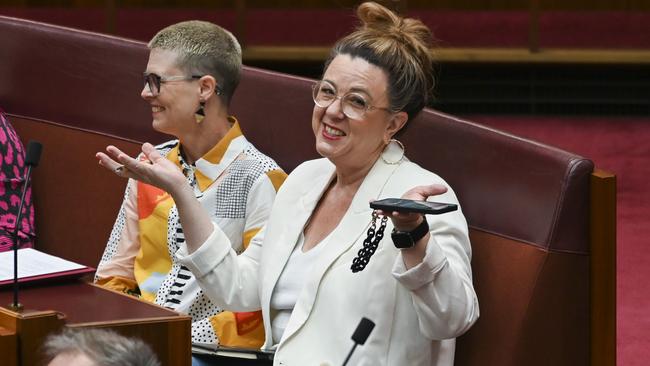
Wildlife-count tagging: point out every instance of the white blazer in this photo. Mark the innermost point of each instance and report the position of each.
(414, 310)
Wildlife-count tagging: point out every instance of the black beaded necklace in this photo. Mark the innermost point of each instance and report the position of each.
(370, 243)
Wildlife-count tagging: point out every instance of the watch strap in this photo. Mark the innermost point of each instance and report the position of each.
(407, 239)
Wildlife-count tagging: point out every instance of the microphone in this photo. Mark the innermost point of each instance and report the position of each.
(32, 157)
(360, 335)
(33, 154)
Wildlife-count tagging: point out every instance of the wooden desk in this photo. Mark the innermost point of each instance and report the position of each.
(79, 304)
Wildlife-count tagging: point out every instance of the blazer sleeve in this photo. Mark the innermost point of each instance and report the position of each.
(441, 286)
(228, 279)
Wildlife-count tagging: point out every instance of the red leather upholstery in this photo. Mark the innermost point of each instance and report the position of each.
(527, 204)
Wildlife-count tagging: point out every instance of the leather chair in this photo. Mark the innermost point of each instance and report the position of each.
(542, 221)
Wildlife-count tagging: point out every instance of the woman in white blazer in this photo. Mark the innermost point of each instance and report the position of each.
(298, 270)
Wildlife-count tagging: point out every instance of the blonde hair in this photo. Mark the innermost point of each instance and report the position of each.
(400, 46)
(204, 48)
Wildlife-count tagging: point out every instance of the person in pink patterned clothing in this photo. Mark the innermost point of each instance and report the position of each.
(12, 173)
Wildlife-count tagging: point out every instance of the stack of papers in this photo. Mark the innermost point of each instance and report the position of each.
(35, 266)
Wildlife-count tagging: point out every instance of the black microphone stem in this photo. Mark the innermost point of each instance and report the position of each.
(32, 157)
(349, 355)
(16, 306)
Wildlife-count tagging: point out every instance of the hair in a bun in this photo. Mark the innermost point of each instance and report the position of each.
(400, 46)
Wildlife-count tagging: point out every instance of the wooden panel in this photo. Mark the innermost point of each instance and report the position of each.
(31, 328)
(8, 346)
(82, 305)
(603, 269)
(69, 186)
(255, 54)
(168, 338)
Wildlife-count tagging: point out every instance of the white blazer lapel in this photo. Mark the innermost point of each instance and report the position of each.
(353, 225)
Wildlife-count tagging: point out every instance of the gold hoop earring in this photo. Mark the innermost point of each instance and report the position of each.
(393, 152)
(200, 113)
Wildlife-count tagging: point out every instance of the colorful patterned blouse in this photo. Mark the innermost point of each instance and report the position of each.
(236, 184)
(12, 173)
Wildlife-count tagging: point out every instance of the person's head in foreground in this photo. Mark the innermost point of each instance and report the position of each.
(376, 80)
(96, 347)
(193, 70)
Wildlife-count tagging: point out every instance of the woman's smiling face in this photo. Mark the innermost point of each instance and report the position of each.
(173, 108)
(354, 141)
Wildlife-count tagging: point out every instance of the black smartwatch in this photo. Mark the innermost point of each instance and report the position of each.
(407, 239)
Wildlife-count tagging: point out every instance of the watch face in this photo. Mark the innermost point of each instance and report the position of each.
(408, 239)
(402, 240)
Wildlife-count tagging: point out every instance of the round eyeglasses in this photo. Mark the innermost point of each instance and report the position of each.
(154, 81)
(354, 105)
